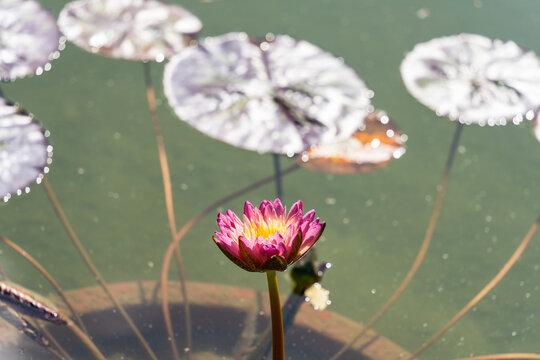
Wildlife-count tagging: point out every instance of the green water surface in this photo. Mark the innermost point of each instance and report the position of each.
(106, 175)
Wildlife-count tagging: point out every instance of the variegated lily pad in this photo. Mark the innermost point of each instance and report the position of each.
(29, 303)
(474, 79)
(24, 151)
(29, 39)
(279, 95)
(141, 30)
(373, 147)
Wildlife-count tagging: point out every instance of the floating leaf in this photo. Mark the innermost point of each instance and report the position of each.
(374, 147)
(139, 30)
(29, 39)
(279, 95)
(24, 152)
(474, 79)
(27, 302)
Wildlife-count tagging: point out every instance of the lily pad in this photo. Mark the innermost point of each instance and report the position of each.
(24, 151)
(277, 95)
(373, 147)
(140, 30)
(474, 79)
(29, 39)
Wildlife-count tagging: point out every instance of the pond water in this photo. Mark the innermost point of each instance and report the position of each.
(106, 175)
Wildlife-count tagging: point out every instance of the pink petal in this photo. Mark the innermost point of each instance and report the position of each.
(223, 223)
(306, 221)
(247, 253)
(230, 221)
(226, 229)
(249, 243)
(234, 220)
(312, 231)
(308, 217)
(248, 210)
(267, 251)
(290, 234)
(295, 214)
(252, 214)
(237, 259)
(293, 248)
(227, 243)
(283, 250)
(311, 236)
(247, 224)
(268, 211)
(277, 239)
(278, 207)
(258, 253)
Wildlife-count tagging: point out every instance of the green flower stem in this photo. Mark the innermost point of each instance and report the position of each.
(189, 225)
(278, 349)
(289, 311)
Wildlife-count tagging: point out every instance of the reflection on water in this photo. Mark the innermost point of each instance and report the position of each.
(106, 176)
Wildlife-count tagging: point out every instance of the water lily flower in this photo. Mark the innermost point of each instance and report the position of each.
(268, 239)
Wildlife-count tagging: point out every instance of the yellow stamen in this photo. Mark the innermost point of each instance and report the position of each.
(266, 230)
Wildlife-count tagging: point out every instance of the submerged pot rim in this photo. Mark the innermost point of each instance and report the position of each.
(330, 325)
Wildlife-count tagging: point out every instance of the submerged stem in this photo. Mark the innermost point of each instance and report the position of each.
(61, 353)
(61, 350)
(91, 266)
(47, 276)
(289, 311)
(504, 270)
(423, 248)
(169, 205)
(278, 347)
(3, 274)
(185, 229)
(86, 340)
(56, 353)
